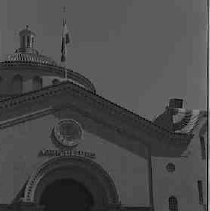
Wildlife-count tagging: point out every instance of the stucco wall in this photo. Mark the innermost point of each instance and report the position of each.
(182, 183)
(21, 144)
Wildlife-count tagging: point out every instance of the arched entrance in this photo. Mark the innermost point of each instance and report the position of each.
(66, 194)
(73, 182)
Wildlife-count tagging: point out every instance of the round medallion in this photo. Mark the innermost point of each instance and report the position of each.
(170, 167)
(67, 133)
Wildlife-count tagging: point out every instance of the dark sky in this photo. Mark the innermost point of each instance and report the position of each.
(138, 53)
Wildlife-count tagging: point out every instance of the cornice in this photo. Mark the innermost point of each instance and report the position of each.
(127, 118)
(27, 117)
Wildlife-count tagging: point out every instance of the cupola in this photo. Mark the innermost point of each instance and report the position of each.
(27, 39)
(26, 70)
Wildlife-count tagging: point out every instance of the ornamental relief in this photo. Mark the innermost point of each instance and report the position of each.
(87, 165)
(66, 136)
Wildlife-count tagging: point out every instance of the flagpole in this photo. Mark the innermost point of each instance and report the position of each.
(65, 69)
(64, 45)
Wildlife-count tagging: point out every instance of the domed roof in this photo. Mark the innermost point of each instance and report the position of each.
(34, 57)
(26, 55)
(26, 52)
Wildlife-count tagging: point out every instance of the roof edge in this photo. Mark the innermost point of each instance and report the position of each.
(112, 108)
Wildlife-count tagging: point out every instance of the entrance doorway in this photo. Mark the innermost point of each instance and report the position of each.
(65, 195)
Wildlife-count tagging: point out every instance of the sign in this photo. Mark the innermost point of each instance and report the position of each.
(67, 153)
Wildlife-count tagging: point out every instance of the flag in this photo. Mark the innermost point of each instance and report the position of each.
(65, 41)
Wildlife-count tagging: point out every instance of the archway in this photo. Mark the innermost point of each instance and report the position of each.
(91, 183)
(66, 194)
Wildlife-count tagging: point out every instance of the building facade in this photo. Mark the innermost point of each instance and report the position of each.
(64, 147)
(183, 178)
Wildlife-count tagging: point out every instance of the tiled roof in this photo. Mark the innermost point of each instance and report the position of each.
(34, 57)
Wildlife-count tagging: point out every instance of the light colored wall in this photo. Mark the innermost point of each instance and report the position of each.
(20, 145)
(183, 182)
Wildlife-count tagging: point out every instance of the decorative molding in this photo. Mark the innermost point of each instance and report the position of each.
(67, 140)
(27, 117)
(89, 166)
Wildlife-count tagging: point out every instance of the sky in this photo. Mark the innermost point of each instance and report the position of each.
(138, 53)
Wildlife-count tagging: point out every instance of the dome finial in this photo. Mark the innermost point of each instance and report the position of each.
(27, 39)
